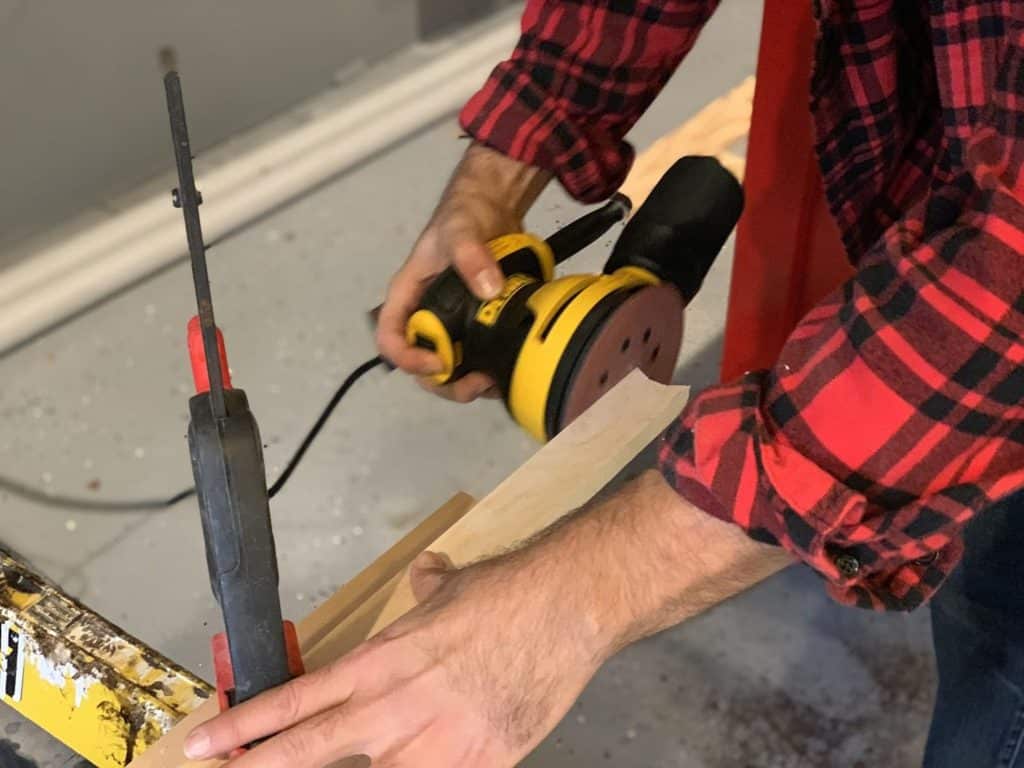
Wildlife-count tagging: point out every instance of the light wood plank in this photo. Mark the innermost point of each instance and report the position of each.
(563, 476)
(337, 607)
(712, 131)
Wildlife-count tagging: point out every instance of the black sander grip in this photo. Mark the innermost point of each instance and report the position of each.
(679, 230)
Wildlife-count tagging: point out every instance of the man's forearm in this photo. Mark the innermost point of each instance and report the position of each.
(643, 560)
(506, 183)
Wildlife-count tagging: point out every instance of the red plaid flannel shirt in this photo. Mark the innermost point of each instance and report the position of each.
(894, 413)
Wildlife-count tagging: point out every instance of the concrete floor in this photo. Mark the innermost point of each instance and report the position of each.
(777, 678)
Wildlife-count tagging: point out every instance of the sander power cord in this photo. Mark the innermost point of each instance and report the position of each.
(82, 504)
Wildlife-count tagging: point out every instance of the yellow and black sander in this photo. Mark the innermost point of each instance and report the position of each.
(556, 345)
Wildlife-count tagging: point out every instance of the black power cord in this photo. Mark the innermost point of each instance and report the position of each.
(318, 425)
(82, 504)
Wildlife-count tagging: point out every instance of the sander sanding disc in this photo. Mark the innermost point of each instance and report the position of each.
(645, 332)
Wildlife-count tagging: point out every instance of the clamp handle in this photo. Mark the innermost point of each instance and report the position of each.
(197, 356)
(224, 672)
(254, 653)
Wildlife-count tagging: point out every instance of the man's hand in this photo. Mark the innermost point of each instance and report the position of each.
(475, 676)
(487, 197)
(496, 653)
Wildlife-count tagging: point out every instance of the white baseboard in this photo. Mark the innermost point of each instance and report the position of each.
(66, 277)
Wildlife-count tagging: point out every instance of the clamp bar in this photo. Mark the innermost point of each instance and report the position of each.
(187, 197)
(258, 650)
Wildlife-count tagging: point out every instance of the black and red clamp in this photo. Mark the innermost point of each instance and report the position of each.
(259, 611)
(258, 650)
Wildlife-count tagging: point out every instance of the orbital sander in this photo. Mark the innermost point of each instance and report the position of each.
(555, 345)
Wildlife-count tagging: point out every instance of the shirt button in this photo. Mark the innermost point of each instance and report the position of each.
(927, 559)
(848, 565)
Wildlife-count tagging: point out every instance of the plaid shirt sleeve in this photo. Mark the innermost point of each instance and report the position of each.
(581, 76)
(894, 414)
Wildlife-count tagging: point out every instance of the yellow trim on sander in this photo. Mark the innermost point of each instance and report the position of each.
(559, 307)
(89, 684)
(425, 324)
(490, 311)
(506, 245)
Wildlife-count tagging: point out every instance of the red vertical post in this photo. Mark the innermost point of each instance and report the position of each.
(788, 251)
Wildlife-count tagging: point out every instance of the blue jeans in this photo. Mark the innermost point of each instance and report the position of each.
(978, 628)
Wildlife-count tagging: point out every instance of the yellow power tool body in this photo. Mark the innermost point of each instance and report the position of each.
(554, 345)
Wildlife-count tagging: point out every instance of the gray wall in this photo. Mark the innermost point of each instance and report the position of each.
(439, 16)
(81, 104)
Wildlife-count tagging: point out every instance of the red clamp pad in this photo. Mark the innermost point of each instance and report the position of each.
(225, 675)
(197, 354)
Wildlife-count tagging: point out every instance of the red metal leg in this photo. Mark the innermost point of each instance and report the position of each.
(788, 251)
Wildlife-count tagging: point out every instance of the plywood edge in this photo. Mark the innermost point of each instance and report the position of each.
(338, 606)
(561, 477)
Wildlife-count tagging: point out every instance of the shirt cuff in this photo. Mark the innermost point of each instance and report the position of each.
(514, 114)
(723, 457)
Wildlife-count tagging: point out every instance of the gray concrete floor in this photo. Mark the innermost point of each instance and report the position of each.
(778, 677)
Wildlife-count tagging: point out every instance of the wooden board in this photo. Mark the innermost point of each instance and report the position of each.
(715, 130)
(562, 476)
(376, 576)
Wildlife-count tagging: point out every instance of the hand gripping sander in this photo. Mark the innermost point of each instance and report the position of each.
(556, 345)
